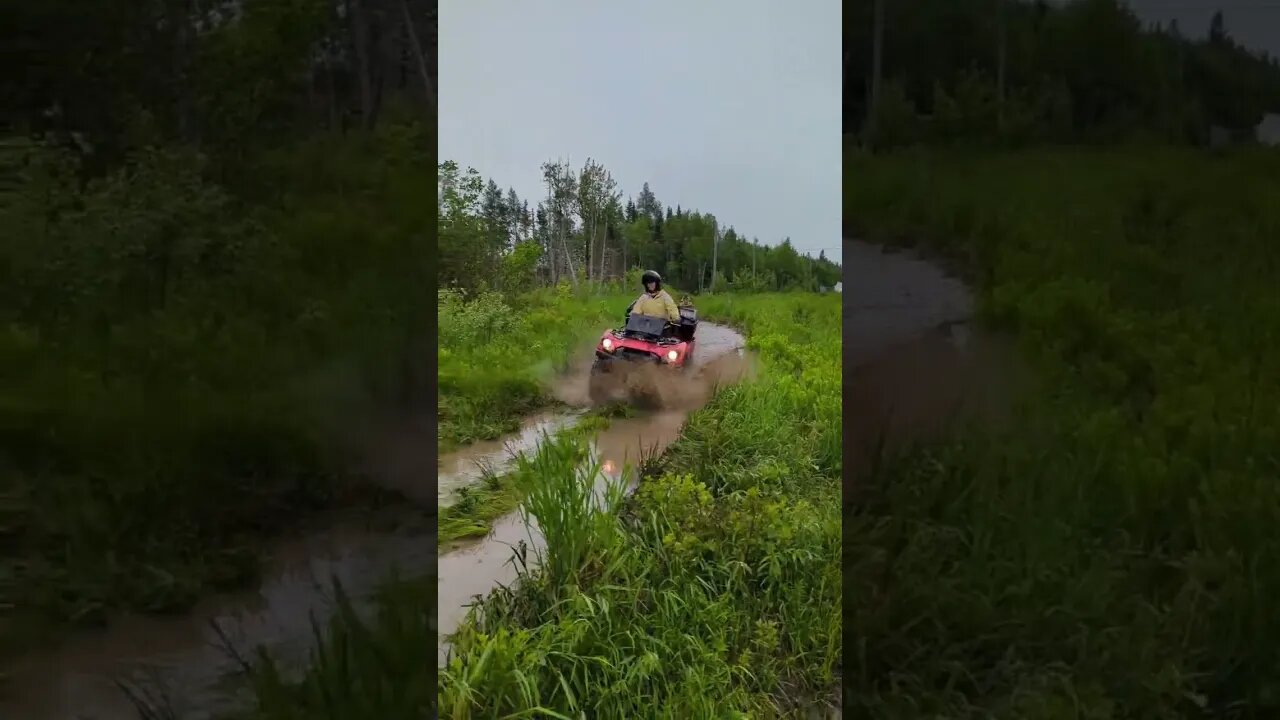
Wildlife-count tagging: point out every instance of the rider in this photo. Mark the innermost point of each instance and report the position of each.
(654, 300)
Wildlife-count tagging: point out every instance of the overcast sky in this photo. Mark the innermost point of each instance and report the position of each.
(1253, 23)
(728, 106)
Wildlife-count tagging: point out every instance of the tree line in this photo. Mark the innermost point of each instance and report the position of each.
(231, 77)
(583, 233)
(1011, 71)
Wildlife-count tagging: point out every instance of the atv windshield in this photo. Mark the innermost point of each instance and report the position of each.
(645, 325)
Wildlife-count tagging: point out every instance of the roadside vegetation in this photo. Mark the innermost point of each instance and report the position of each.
(207, 288)
(497, 364)
(1116, 554)
(714, 589)
(1113, 553)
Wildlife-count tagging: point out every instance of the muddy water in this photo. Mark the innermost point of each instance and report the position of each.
(472, 463)
(182, 663)
(891, 297)
(473, 570)
(915, 365)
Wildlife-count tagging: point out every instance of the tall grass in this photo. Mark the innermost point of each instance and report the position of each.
(499, 493)
(574, 505)
(498, 356)
(1115, 556)
(361, 667)
(713, 591)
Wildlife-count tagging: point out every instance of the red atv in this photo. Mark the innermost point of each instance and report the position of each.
(643, 340)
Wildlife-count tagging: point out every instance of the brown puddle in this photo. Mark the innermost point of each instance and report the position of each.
(181, 663)
(477, 568)
(470, 464)
(915, 366)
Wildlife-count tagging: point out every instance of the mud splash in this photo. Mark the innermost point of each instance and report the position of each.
(720, 359)
(711, 365)
(474, 570)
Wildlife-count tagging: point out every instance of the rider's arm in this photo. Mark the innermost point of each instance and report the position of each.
(673, 312)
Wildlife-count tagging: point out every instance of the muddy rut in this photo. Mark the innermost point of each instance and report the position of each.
(915, 366)
(476, 568)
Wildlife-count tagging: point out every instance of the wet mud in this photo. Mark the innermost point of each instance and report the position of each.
(915, 366)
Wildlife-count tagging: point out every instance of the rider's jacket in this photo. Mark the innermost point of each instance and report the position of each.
(658, 304)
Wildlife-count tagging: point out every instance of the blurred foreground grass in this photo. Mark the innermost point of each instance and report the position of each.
(1117, 555)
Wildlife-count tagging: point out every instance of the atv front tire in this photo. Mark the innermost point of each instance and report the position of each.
(598, 385)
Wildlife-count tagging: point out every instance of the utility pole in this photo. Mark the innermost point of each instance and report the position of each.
(877, 52)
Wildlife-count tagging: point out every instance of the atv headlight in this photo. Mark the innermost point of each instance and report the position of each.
(672, 355)
(607, 344)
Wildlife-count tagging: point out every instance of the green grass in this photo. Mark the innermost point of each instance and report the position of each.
(362, 668)
(712, 592)
(500, 494)
(1116, 555)
(499, 355)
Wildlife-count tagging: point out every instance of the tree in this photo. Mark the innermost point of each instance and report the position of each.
(562, 202)
(462, 232)
(1080, 70)
(512, 210)
(581, 230)
(596, 192)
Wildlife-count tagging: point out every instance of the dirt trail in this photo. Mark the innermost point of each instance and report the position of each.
(475, 569)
